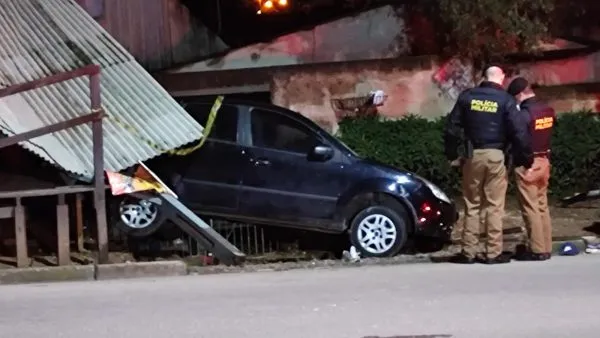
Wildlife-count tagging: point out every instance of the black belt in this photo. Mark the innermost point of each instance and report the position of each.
(499, 146)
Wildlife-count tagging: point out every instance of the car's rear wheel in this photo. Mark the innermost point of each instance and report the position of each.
(378, 231)
(139, 217)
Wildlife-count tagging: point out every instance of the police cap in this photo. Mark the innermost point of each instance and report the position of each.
(517, 86)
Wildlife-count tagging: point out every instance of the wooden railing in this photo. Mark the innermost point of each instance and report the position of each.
(18, 212)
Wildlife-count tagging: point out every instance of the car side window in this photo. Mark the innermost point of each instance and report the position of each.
(225, 125)
(279, 132)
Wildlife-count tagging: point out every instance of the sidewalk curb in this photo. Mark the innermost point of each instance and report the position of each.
(47, 274)
(180, 268)
(81, 273)
(140, 270)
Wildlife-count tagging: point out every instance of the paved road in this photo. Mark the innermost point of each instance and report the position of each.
(559, 298)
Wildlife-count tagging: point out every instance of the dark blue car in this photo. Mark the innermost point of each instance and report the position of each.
(267, 165)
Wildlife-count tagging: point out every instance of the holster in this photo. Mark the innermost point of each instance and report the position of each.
(508, 157)
(467, 149)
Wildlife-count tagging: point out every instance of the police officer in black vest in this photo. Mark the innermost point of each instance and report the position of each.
(487, 118)
(532, 184)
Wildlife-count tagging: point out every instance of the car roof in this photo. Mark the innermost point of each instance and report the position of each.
(257, 104)
(241, 102)
(254, 104)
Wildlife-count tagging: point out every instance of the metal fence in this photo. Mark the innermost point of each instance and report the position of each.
(253, 240)
(249, 238)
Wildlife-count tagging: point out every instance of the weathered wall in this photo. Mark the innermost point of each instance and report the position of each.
(375, 34)
(409, 90)
(158, 33)
(569, 84)
(429, 90)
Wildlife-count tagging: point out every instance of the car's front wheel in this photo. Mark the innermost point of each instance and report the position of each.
(139, 217)
(378, 231)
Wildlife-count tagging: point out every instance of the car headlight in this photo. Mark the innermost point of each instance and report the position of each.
(437, 192)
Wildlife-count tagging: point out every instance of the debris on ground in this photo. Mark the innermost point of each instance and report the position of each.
(351, 256)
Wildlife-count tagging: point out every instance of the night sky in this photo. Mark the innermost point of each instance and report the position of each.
(240, 25)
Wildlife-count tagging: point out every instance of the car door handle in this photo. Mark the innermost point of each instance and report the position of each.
(261, 162)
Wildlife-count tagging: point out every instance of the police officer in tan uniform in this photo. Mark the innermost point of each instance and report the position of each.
(488, 119)
(532, 183)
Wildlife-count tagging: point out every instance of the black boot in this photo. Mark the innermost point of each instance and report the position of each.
(500, 259)
(532, 256)
(461, 258)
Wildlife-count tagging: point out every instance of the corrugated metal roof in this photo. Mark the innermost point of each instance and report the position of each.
(39, 38)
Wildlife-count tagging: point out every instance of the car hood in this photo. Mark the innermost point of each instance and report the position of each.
(388, 171)
(407, 179)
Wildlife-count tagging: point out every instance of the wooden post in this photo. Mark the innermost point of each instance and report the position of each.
(79, 221)
(21, 235)
(99, 189)
(62, 232)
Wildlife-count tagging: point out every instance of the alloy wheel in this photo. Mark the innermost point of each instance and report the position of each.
(377, 234)
(139, 214)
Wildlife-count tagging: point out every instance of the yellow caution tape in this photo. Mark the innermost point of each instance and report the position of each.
(178, 152)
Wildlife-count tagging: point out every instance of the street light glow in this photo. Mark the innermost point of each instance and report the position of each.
(270, 6)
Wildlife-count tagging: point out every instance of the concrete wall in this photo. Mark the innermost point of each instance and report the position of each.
(429, 90)
(570, 84)
(409, 90)
(375, 34)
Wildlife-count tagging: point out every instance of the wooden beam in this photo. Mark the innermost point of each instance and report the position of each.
(11, 140)
(63, 248)
(46, 192)
(79, 222)
(21, 236)
(99, 181)
(49, 80)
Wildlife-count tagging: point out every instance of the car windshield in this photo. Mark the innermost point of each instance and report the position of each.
(335, 140)
(338, 142)
(346, 148)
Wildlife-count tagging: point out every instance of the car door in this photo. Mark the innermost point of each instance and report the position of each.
(211, 182)
(280, 184)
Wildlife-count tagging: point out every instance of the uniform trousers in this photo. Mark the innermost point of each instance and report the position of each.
(484, 183)
(533, 200)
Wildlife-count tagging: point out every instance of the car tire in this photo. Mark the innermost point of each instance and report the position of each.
(138, 217)
(379, 231)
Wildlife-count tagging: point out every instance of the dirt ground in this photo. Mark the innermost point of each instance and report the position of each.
(581, 219)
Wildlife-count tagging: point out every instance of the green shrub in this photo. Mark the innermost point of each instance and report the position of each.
(415, 144)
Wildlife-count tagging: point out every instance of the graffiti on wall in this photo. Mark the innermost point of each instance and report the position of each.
(453, 77)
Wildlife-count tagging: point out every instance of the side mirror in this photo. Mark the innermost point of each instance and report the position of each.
(321, 153)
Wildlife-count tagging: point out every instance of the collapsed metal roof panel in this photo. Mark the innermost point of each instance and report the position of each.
(39, 38)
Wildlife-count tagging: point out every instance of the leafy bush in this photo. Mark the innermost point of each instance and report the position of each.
(415, 144)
